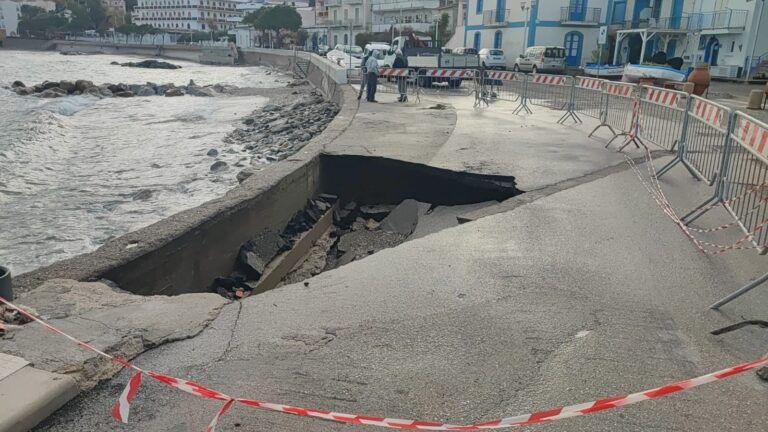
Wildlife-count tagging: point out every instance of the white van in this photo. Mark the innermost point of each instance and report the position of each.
(550, 59)
(384, 50)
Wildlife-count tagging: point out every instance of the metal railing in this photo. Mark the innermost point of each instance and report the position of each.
(496, 17)
(582, 15)
(729, 19)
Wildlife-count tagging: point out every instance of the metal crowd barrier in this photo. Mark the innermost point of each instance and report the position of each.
(662, 116)
(619, 109)
(549, 91)
(431, 81)
(743, 188)
(588, 97)
(398, 81)
(702, 149)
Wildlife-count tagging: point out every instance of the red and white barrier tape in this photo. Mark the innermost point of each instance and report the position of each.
(590, 83)
(708, 113)
(505, 76)
(451, 73)
(121, 409)
(548, 79)
(623, 90)
(389, 72)
(663, 97)
(753, 135)
(657, 193)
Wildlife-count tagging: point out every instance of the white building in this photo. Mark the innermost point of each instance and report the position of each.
(186, 15)
(10, 13)
(346, 19)
(724, 33)
(419, 15)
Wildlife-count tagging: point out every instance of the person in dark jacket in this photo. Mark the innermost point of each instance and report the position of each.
(372, 72)
(401, 62)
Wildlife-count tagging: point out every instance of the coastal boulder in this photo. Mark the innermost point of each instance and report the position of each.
(145, 91)
(51, 93)
(124, 94)
(67, 86)
(105, 92)
(161, 89)
(218, 166)
(24, 91)
(82, 85)
(199, 91)
(49, 84)
(93, 91)
(174, 92)
(17, 84)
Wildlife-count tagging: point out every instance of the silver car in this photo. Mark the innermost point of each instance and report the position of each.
(550, 59)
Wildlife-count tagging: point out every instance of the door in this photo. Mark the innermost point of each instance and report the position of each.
(573, 45)
(477, 41)
(577, 10)
(497, 39)
(501, 11)
(712, 51)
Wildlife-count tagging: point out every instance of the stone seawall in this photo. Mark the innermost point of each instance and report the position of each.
(183, 253)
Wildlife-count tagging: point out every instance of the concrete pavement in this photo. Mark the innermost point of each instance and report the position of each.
(582, 294)
(587, 292)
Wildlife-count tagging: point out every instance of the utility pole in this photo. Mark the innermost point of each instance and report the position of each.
(754, 41)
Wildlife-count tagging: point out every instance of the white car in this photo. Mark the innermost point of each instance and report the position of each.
(386, 53)
(350, 55)
(493, 58)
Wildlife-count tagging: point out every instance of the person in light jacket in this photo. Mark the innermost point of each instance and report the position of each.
(401, 62)
(372, 73)
(363, 75)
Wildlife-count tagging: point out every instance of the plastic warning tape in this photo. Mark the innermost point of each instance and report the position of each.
(121, 409)
(548, 79)
(389, 72)
(451, 73)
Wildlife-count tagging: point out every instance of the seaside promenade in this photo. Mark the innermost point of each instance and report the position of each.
(579, 289)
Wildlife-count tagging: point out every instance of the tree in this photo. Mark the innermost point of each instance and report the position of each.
(96, 13)
(301, 37)
(275, 19)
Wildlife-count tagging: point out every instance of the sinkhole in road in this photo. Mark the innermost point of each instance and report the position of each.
(362, 205)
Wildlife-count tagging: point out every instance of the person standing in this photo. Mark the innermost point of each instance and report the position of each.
(372, 73)
(401, 62)
(363, 75)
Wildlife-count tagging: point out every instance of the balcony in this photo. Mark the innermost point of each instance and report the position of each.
(343, 23)
(575, 16)
(496, 18)
(388, 5)
(332, 3)
(419, 27)
(726, 21)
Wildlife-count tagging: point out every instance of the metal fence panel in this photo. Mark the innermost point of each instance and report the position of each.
(661, 118)
(705, 137)
(745, 190)
(503, 85)
(397, 81)
(588, 97)
(450, 81)
(550, 91)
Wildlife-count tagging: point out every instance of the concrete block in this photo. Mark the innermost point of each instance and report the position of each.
(30, 395)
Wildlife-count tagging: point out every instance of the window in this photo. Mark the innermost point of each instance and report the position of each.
(477, 41)
(479, 8)
(497, 39)
(346, 14)
(733, 45)
(357, 14)
(346, 39)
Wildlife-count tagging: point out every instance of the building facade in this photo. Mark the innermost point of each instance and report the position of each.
(10, 13)
(723, 33)
(188, 15)
(346, 19)
(115, 11)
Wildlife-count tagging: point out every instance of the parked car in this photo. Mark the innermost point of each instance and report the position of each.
(465, 50)
(323, 49)
(536, 59)
(493, 58)
(384, 50)
(346, 53)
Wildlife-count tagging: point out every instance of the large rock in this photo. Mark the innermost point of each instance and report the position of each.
(200, 91)
(219, 166)
(112, 320)
(116, 88)
(152, 64)
(145, 91)
(174, 92)
(82, 85)
(93, 91)
(161, 89)
(49, 84)
(124, 94)
(256, 253)
(67, 86)
(105, 92)
(53, 93)
(17, 84)
(24, 91)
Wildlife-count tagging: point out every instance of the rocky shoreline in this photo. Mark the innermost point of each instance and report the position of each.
(55, 89)
(278, 130)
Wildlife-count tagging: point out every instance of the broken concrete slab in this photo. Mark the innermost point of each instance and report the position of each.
(444, 217)
(376, 212)
(256, 253)
(112, 320)
(29, 395)
(404, 218)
